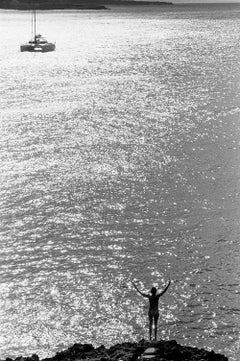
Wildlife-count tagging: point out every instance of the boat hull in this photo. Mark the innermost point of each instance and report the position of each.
(38, 48)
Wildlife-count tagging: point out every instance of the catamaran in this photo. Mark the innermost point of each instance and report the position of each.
(38, 43)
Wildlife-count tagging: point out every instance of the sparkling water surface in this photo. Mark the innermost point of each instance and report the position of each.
(119, 160)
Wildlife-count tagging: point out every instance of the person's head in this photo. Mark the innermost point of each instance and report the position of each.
(153, 291)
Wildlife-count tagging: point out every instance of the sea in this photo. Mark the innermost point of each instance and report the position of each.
(120, 161)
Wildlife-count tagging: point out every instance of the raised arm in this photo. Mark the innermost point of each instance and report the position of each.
(141, 293)
(165, 289)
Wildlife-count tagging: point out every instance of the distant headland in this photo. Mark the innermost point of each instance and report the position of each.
(73, 4)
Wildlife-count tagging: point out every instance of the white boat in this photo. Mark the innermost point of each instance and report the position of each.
(38, 42)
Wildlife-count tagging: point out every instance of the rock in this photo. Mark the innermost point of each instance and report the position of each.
(127, 351)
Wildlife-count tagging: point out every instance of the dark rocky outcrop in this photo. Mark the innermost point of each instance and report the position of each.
(164, 351)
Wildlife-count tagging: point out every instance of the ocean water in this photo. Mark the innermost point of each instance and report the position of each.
(120, 160)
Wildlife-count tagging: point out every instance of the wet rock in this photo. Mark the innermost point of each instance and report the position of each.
(35, 357)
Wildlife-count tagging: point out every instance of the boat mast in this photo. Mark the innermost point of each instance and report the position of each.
(34, 25)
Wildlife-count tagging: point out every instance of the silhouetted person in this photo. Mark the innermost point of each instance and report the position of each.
(153, 313)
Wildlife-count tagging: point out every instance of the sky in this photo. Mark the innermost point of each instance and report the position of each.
(204, 1)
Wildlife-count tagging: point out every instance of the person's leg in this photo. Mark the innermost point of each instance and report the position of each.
(155, 326)
(150, 327)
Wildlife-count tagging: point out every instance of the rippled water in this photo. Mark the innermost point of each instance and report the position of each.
(119, 160)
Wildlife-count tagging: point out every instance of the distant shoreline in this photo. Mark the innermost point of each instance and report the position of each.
(77, 4)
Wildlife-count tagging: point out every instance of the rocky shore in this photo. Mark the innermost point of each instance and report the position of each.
(160, 350)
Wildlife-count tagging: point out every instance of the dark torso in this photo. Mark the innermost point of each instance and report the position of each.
(153, 302)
